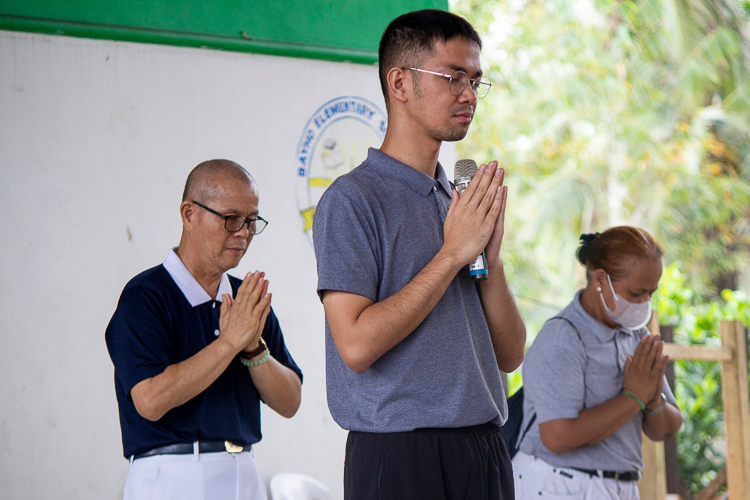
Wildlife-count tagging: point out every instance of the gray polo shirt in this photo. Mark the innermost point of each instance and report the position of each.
(563, 374)
(375, 229)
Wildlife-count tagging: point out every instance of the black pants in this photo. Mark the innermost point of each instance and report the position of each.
(467, 463)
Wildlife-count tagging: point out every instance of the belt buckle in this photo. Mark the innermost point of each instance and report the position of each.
(617, 476)
(232, 448)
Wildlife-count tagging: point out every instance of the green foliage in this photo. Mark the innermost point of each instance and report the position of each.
(698, 384)
(515, 381)
(607, 112)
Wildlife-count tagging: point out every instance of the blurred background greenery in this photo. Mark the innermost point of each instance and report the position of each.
(608, 112)
(700, 442)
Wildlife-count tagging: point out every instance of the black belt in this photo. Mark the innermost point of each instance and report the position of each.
(632, 475)
(187, 448)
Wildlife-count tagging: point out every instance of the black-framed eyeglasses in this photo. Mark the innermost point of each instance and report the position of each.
(234, 223)
(458, 81)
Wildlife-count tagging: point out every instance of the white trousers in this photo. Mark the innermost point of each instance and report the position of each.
(200, 476)
(536, 479)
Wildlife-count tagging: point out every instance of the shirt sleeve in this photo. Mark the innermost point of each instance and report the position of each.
(275, 341)
(553, 373)
(138, 338)
(346, 242)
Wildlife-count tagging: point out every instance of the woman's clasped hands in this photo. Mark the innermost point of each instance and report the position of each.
(644, 370)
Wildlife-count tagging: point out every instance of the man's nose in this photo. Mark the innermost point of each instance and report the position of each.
(244, 231)
(468, 95)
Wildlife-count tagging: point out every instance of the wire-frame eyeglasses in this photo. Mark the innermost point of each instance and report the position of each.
(458, 81)
(234, 223)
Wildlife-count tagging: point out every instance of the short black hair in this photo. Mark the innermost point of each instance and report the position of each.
(410, 39)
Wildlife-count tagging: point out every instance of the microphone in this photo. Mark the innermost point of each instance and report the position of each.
(463, 173)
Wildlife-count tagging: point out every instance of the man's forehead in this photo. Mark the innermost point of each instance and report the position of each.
(233, 191)
(235, 181)
(457, 54)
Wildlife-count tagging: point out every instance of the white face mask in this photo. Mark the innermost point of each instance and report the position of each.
(630, 316)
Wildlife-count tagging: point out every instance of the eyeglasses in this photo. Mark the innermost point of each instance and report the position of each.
(458, 81)
(234, 223)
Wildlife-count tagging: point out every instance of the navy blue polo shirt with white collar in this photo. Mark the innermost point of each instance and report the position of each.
(164, 317)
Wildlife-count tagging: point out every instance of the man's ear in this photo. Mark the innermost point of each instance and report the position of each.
(398, 85)
(188, 214)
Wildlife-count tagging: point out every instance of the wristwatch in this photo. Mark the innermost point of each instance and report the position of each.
(659, 408)
(258, 350)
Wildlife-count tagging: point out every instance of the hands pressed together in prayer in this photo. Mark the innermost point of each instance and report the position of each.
(481, 209)
(242, 318)
(644, 370)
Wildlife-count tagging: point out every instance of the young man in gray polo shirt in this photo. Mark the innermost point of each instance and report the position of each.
(414, 348)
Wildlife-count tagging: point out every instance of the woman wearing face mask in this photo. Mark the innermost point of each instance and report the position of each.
(594, 379)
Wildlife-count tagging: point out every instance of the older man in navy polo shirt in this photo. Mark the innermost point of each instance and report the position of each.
(195, 351)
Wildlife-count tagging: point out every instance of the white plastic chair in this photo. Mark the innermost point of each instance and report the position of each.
(290, 486)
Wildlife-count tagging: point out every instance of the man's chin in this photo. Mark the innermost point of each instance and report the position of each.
(452, 133)
(231, 261)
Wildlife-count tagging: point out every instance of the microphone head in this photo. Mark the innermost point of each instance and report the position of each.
(463, 173)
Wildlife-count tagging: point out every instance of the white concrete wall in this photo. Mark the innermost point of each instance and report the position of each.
(96, 139)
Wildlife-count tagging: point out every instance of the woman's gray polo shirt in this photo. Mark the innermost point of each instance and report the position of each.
(563, 374)
(375, 229)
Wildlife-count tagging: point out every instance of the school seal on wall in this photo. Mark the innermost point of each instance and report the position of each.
(334, 141)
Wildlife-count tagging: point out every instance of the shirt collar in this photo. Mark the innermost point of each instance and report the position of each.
(191, 289)
(602, 332)
(409, 176)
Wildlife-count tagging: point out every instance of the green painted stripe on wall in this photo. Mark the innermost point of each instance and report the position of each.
(182, 39)
(343, 30)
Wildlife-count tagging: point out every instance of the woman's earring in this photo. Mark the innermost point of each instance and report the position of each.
(599, 289)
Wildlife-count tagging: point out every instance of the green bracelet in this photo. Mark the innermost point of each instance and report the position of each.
(636, 398)
(252, 364)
